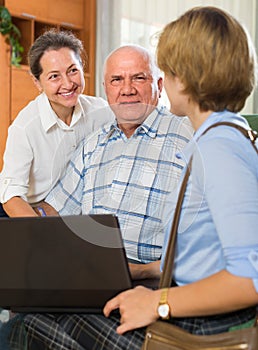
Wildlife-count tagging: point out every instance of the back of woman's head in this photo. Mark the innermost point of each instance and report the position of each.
(213, 56)
(52, 40)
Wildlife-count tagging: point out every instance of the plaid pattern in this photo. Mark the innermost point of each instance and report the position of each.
(130, 178)
(13, 334)
(215, 324)
(72, 332)
(95, 332)
(2, 212)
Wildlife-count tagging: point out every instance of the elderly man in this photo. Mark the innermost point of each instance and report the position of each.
(129, 167)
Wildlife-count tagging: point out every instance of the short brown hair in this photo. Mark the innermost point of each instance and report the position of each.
(212, 55)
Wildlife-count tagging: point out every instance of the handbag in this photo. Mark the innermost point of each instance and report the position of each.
(166, 336)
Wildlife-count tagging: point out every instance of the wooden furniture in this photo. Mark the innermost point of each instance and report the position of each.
(32, 17)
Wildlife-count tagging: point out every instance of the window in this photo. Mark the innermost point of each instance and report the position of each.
(137, 22)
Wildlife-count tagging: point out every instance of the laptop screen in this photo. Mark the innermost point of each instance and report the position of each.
(70, 263)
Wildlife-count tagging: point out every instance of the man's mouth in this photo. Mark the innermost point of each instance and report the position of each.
(128, 102)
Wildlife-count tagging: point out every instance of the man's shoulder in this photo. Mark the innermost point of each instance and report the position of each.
(99, 136)
(96, 109)
(164, 111)
(179, 125)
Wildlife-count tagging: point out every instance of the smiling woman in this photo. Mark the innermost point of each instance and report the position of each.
(62, 81)
(45, 133)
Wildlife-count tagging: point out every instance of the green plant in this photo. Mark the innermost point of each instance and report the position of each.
(12, 34)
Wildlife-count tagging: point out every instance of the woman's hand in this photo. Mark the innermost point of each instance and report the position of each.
(18, 207)
(138, 308)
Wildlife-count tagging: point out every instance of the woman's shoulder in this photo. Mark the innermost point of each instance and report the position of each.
(226, 146)
(28, 113)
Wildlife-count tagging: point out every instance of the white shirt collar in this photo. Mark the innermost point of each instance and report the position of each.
(49, 118)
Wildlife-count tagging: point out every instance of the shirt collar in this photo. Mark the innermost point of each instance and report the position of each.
(78, 113)
(149, 126)
(49, 118)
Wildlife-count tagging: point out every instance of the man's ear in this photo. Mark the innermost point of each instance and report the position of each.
(160, 85)
(104, 87)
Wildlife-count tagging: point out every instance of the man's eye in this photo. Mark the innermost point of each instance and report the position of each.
(115, 81)
(139, 78)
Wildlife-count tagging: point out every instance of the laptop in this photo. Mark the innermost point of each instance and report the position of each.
(61, 264)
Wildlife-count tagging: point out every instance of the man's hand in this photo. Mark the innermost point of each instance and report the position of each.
(143, 271)
(45, 209)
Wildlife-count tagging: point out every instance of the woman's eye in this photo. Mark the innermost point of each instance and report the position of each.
(73, 70)
(53, 76)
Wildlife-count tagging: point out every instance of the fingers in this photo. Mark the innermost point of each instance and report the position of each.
(133, 308)
(126, 323)
(111, 305)
(124, 327)
(115, 302)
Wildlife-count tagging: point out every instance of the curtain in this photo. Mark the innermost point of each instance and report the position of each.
(108, 36)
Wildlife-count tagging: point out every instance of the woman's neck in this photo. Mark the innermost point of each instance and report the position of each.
(198, 117)
(65, 114)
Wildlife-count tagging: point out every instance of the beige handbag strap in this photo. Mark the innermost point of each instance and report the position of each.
(248, 133)
(166, 276)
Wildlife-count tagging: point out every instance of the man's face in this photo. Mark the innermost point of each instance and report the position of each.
(131, 88)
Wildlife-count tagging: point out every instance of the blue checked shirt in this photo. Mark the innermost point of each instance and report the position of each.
(131, 178)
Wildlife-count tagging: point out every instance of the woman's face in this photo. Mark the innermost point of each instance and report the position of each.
(61, 79)
(179, 101)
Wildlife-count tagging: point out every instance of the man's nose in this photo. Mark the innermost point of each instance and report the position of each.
(128, 87)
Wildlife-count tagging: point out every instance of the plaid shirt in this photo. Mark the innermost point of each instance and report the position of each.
(131, 178)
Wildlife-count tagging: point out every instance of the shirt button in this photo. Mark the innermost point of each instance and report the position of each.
(253, 258)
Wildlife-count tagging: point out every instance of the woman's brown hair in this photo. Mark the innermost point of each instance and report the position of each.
(54, 40)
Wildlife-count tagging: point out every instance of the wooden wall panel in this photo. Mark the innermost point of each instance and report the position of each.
(4, 94)
(21, 81)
